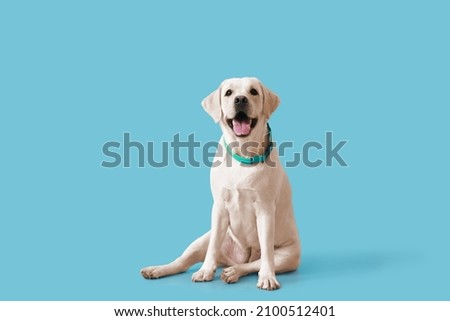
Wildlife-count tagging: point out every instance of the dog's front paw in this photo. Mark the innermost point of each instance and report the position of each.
(268, 282)
(203, 275)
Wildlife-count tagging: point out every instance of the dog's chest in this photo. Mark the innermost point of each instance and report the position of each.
(243, 192)
(238, 188)
(240, 205)
(239, 199)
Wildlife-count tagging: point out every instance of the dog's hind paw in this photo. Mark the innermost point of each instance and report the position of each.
(153, 272)
(231, 274)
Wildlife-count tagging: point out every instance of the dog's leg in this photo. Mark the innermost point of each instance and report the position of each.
(265, 221)
(286, 259)
(219, 225)
(195, 253)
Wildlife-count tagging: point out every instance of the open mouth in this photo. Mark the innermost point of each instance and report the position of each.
(241, 124)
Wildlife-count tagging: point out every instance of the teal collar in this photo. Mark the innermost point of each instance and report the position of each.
(255, 159)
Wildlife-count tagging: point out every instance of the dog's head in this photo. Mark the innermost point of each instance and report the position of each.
(240, 105)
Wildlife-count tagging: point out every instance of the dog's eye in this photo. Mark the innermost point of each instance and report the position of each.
(253, 91)
(228, 93)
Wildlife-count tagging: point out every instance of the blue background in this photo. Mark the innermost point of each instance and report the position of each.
(74, 75)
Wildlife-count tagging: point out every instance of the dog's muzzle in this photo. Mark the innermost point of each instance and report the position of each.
(241, 124)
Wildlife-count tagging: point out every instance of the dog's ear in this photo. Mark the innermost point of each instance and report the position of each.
(212, 105)
(270, 101)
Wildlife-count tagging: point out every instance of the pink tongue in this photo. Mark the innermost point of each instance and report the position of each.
(241, 127)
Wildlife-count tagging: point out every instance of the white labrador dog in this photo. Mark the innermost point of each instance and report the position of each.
(253, 227)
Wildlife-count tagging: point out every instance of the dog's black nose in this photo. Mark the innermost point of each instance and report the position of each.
(240, 101)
